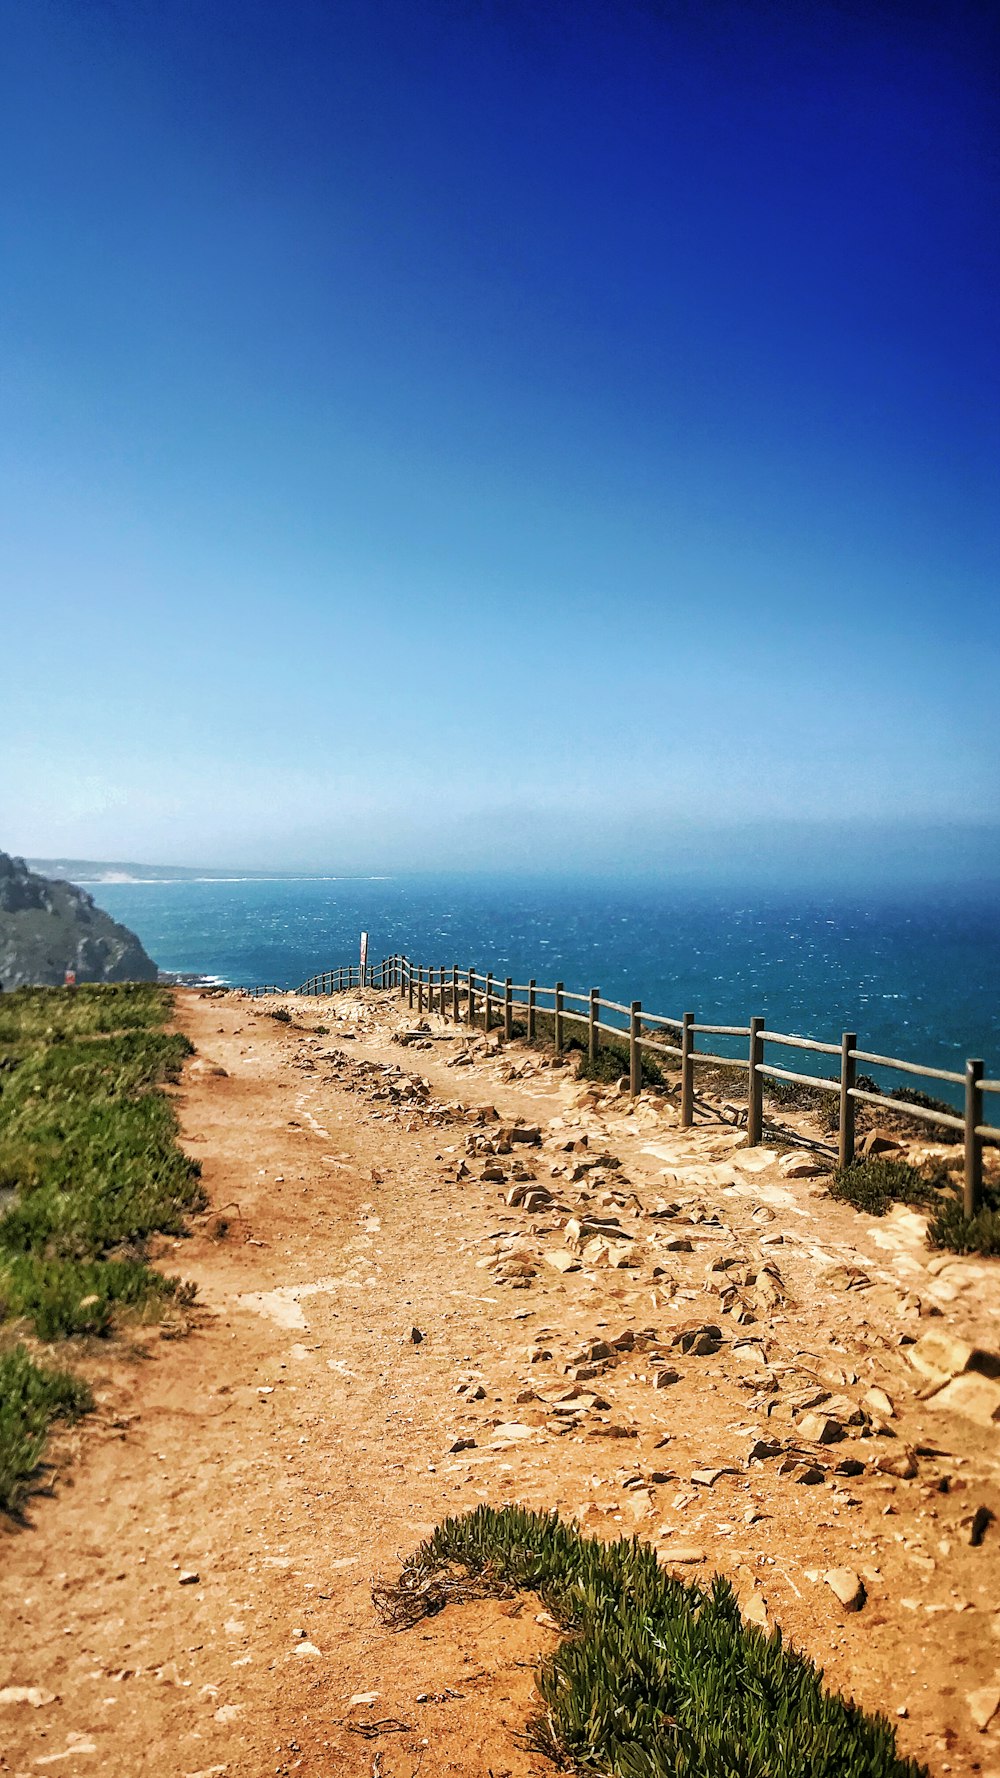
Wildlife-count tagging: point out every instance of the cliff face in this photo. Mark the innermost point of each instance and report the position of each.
(47, 927)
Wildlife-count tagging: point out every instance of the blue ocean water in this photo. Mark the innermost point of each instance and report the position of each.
(916, 976)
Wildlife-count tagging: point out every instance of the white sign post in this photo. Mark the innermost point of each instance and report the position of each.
(364, 956)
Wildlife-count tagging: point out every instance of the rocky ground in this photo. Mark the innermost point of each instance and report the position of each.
(433, 1273)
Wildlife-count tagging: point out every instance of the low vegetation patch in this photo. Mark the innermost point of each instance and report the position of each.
(656, 1678)
(88, 1151)
(90, 1169)
(875, 1185)
(31, 1397)
(949, 1227)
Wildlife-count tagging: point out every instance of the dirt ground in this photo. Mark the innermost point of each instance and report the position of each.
(193, 1596)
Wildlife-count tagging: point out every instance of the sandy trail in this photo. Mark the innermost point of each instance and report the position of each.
(195, 1595)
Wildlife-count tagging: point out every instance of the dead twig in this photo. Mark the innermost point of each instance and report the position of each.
(384, 1725)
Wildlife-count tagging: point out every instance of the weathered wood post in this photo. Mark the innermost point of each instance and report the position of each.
(973, 1190)
(488, 1002)
(508, 1009)
(848, 1076)
(454, 992)
(557, 1017)
(531, 1010)
(593, 1035)
(755, 1104)
(420, 987)
(472, 997)
(634, 1051)
(687, 1071)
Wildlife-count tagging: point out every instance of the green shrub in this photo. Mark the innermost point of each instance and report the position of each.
(282, 1014)
(875, 1185)
(657, 1678)
(949, 1227)
(31, 1397)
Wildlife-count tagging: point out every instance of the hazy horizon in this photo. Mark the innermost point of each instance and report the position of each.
(835, 853)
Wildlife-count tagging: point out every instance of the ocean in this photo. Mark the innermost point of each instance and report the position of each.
(916, 976)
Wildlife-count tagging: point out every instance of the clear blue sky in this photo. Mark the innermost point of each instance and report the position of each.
(480, 418)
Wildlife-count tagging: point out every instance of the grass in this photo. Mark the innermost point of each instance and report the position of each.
(31, 1397)
(88, 1149)
(656, 1678)
(91, 1170)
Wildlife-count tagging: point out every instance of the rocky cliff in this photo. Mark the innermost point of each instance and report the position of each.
(47, 927)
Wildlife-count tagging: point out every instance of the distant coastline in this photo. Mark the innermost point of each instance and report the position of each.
(88, 871)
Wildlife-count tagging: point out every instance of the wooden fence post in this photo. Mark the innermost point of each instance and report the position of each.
(848, 1076)
(420, 987)
(488, 1002)
(508, 1009)
(687, 1071)
(755, 1105)
(973, 1191)
(593, 1035)
(557, 1017)
(531, 1010)
(634, 1051)
(454, 992)
(472, 996)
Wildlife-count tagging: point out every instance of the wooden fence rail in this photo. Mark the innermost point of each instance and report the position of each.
(471, 996)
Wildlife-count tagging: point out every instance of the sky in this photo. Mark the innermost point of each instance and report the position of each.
(431, 433)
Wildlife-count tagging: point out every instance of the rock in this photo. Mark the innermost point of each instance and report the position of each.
(764, 1447)
(848, 1586)
(49, 926)
(677, 1244)
(801, 1165)
(939, 1356)
(983, 1706)
(879, 1142)
(416, 1337)
(664, 1378)
(308, 1649)
(462, 1444)
(898, 1463)
(707, 1478)
(188, 1577)
(819, 1429)
(26, 1694)
(511, 1431)
(975, 1397)
(754, 1611)
(701, 1340)
(562, 1262)
(808, 1474)
(877, 1402)
(680, 1555)
(977, 1524)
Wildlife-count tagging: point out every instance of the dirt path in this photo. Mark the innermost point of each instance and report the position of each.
(196, 1595)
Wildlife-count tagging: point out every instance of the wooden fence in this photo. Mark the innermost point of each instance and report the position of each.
(470, 995)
